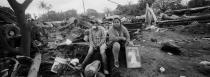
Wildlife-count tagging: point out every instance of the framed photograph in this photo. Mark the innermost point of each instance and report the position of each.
(133, 57)
(57, 66)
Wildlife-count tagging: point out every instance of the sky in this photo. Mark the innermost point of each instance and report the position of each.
(64, 5)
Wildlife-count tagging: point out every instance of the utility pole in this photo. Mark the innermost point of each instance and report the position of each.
(83, 6)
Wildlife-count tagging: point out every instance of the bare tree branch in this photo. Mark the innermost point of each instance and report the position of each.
(13, 3)
(19, 7)
(26, 3)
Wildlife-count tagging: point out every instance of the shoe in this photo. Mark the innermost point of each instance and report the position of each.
(79, 67)
(116, 64)
(106, 72)
(115, 69)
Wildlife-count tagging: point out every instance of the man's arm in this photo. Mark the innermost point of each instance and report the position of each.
(86, 36)
(91, 38)
(103, 40)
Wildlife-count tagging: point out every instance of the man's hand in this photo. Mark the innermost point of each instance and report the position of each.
(130, 43)
(85, 38)
(93, 45)
(122, 38)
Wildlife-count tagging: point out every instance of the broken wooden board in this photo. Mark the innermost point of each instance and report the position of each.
(33, 72)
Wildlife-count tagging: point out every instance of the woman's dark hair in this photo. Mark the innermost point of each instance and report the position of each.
(117, 19)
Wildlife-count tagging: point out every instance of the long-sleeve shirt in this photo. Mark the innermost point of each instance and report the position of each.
(97, 37)
(115, 35)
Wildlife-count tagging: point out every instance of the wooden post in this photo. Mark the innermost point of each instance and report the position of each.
(33, 72)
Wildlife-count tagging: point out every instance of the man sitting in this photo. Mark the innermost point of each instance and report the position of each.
(118, 37)
(97, 40)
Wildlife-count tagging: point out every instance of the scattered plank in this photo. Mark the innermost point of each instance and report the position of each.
(33, 72)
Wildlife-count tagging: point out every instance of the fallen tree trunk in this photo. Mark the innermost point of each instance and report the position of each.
(189, 10)
(33, 72)
(185, 21)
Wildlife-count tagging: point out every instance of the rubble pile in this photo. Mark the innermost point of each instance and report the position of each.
(200, 28)
(56, 48)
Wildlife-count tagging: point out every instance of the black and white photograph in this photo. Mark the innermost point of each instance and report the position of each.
(104, 38)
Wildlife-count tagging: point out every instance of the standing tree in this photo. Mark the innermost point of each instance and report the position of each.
(25, 28)
(133, 9)
(19, 10)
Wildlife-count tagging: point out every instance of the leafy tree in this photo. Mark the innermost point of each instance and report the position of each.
(28, 16)
(50, 16)
(164, 5)
(142, 3)
(44, 6)
(127, 10)
(71, 13)
(139, 8)
(198, 3)
(92, 12)
(58, 16)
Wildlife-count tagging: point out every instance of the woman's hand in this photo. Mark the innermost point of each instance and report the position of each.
(122, 38)
(129, 43)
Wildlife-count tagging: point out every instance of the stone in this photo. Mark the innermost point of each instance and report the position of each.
(171, 47)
